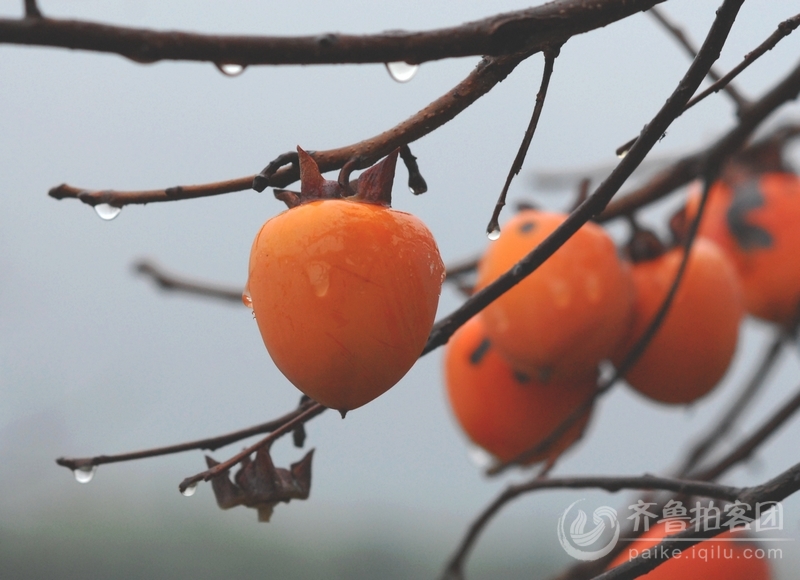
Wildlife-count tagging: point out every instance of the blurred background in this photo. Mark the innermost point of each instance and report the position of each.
(94, 360)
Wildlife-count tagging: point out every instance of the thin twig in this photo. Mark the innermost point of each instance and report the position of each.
(308, 413)
(32, 9)
(729, 418)
(523, 30)
(684, 41)
(550, 56)
(210, 443)
(613, 484)
(168, 281)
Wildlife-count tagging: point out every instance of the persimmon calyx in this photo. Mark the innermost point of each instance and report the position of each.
(374, 185)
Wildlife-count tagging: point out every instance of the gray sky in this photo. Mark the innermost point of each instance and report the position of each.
(94, 360)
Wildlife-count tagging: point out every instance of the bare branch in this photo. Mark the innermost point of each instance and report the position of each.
(549, 60)
(32, 9)
(210, 443)
(168, 281)
(521, 31)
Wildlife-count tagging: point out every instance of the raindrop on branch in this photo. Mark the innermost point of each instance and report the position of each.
(230, 69)
(480, 458)
(494, 234)
(85, 473)
(189, 491)
(401, 71)
(107, 211)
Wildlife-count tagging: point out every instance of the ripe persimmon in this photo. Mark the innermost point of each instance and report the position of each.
(503, 411)
(756, 222)
(717, 558)
(344, 290)
(694, 345)
(569, 314)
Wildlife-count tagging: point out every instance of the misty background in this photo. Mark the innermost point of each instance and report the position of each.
(93, 359)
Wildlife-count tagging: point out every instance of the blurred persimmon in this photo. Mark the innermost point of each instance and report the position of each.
(694, 345)
(757, 223)
(504, 411)
(568, 315)
(725, 557)
(344, 290)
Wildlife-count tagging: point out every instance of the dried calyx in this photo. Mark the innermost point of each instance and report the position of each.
(643, 245)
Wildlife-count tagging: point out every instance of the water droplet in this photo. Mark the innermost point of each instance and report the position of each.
(480, 458)
(230, 69)
(107, 211)
(189, 491)
(622, 153)
(318, 275)
(401, 71)
(246, 300)
(494, 234)
(85, 473)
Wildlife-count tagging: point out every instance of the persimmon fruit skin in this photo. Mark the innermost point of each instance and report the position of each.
(502, 411)
(344, 294)
(569, 314)
(757, 223)
(692, 566)
(692, 349)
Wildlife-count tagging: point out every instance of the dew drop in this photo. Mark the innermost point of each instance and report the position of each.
(622, 153)
(246, 300)
(480, 458)
(190, 490)
(401, 71)
(85, 473)
(494, 234)
(107, 211)
(230, 69)
(318, 276)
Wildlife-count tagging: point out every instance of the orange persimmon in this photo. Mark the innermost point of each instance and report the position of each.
(757, 223)
(344, 290)
(569, 314)
(693, 347)
(503, 411)
(713, 559)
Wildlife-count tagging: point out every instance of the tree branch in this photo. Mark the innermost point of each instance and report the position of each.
(168, 281)
(520, 31)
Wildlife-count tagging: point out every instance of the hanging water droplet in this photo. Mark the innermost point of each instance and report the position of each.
(230, 69)
(107, 211)
(189, 491)
(401, 71)
(480, 458)
(85, 473)
(622, 153)
(246, 299)
(319, 277)
(494, 234)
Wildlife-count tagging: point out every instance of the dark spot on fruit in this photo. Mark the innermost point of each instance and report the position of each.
(478, 354)
(521, 377)
(527, 227)
(747, 197)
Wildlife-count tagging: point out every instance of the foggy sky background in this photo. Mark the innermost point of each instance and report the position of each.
(94, 360)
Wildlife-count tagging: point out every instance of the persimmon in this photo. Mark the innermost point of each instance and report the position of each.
(694, 345)
(344, 289)
(714, 559)
(569, 314)
(755, 222)
(504, 411)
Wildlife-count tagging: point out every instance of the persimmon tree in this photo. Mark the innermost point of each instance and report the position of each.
(503, 42)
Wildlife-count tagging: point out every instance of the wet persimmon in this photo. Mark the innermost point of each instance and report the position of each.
(503, 411)
(694, 345)
(757, 223)
(569, 314)
(717, 558)
(344, 290)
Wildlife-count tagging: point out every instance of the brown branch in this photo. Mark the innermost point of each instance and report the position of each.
(613, 484)
(210, 443)
(684, 41)
(32, 9)
(549, 60)
(168, 281)
(523, 30)
(597, 202)
(691, 166)
(776, 489)
(308, 412)
(729, 418)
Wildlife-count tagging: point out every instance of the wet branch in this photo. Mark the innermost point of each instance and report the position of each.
(210, 443)
(168, 281)
(549, 60)
(523, 30)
